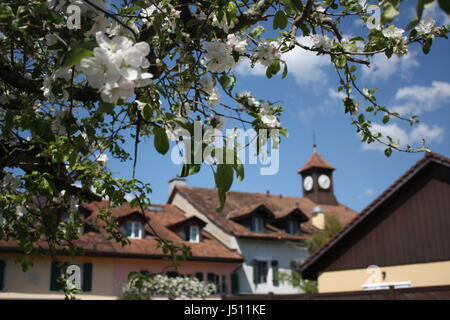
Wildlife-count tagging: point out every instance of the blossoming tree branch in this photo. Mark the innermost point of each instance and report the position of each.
(78, 78)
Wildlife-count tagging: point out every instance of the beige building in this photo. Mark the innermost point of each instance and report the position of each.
(401, 240)
(105, 265)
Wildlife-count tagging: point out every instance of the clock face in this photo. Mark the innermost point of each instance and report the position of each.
(308, 183)
(324, 181)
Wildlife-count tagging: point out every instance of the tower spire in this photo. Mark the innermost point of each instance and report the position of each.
(314, 142)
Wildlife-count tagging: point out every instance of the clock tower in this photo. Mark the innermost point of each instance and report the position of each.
(317, 175)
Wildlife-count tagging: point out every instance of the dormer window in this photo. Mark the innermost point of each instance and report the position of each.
(194, 234)
(292, 227)
(257, 224)
(133, 230)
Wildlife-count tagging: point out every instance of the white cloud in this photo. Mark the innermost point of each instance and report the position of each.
(382, 68)
(129, 197)
(436, 12)
(398, 134)
(334, 94)
(244, 68)
(369, 192)
(419, 99)
(305, 66)
(326, 107)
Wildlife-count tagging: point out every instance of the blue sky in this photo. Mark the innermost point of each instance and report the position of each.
(414, 84)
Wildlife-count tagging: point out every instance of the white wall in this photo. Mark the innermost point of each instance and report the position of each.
(282, 251)
(224, 237)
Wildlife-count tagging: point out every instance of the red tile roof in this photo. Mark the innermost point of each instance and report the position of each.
(319, 253)
(316, 161)
(206, 201)
(97, 243)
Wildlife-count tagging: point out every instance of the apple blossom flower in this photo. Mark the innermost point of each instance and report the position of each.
(426, 25)
(270, 120)
(223, 24)
(393, 32)
(321, 42)
(58, 123)
(267, 53)
(236, 43)
(219, 57)
(115, 67)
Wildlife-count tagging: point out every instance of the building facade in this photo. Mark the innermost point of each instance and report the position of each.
(105, 264)
(402, 239)
(269, 231)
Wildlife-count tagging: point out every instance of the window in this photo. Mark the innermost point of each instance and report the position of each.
(133, 230)
(292, 227)
(194, 234)
(85, 276)
(260, 271)
(275, 273)
(257, 224)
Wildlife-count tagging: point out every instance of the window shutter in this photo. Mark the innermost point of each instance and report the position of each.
(187, 233)
(255, 272)
(55, 273)
(234, 283)
(86, 284)
(2, 275)
(223, 283)
(199, 276)
(211, 277)
(275, 273)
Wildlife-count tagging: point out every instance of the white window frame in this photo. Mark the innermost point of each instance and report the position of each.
(136, 226)
(257, 224)
(194, 236)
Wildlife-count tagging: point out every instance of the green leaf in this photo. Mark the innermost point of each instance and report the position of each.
(161, 140)
(427, 46)
(74, 56)
(224, 179)
(386, 119)
(295, 4)
(388, 152)
(280, 20)
(445, 5)
(285, 71)
(341, 61)
(147, 112)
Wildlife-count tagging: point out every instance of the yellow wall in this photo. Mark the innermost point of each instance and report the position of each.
(35, 282)
(420, 275)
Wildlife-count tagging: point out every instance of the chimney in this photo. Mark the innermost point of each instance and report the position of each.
(318, 218)
(176, 182)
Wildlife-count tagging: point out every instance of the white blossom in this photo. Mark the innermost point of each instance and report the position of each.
(270, 121)
(219, 57)
(102, 158)
(224, 24)
(426, 25)
(10, 182)
(236, 43)
(115, 67)
(101, 24)
(214, 97)
(321, 42)
(393, 32)
(58, 123)
(267, 53)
